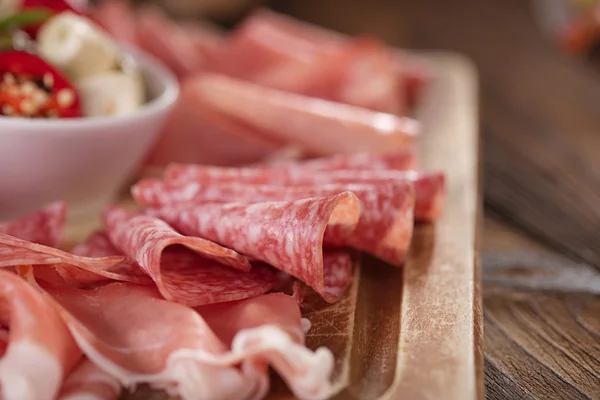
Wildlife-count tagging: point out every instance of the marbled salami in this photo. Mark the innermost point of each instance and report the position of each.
(386, 218)
(287, 235)
(209, 273)
(430, 187)
(44, 226)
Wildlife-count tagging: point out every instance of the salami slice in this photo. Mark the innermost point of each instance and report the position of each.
(384, 228)
(191, 278)
(321, 126)
(44, 226)
(287, 235)
(430, 187)
(98, 245)
(40, 350)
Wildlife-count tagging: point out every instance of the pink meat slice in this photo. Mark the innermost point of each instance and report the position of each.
(182, 355)
(16, 252)
(118, 19)
(386, 218)
(40, 351)
(89, 382)
(322, 127)
(287, 235)
(268, 318)
(194, 134)
(98, 245)
(361, 72)
(44, 226)
(209, 273)
(161, 37)
(401, 159)
(430, 187)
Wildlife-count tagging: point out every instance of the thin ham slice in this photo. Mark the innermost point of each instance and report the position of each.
(384, 228)
(430, 187)
(89, 382)
(190, 361)
(401, 159)
(322, 127)
(118, 19)
(44, 226)
(40, 351)
(287, 235)
(209, 274)
(239, 321)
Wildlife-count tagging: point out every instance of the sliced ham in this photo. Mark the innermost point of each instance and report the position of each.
(322, 127)
(287, 235)
(271, 318)
(430, 187)
(89, 382)
(384, 228)
(118, 19)
(209, 274)
(44, 226)
(191, 361)
(40, 351)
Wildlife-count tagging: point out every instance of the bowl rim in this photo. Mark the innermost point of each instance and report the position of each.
(148, 63)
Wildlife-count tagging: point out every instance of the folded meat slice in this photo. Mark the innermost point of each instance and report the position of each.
(89, 382)
(361, 72)
(98, 245)
(322, 127)
(40, 351)
(182, 356)
(209, 273)
(117, 18)
(430, 187)
(271, 319)
(194, 134)
(287, 235)
(15, 252)
(44, 226)
(386, 218)
(401, 159)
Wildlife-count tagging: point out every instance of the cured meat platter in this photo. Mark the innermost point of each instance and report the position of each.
(413, 332)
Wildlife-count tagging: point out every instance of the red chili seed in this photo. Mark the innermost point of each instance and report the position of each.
(65, 98)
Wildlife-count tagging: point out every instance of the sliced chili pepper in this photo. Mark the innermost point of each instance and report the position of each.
(53, 7)
(31, 87)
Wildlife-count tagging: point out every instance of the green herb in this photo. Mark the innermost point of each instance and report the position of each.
(25, 18)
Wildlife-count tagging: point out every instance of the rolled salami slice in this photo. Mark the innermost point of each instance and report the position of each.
(383, 230)
(204, 273)
(44, 226)
(430, 187)
(287, 235)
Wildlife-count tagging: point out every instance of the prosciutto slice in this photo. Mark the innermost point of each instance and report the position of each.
(384, 228)
(287, 235)
(89, 382)
(322, 127)
(190, 361)
(40, 351)
(271, 318)
(211, 273)
(430, 187)
(44, 226)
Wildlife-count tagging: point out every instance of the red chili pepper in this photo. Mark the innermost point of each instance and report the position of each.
(53, 6)
(29, 86)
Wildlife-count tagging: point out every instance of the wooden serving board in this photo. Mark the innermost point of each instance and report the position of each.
(416, 332)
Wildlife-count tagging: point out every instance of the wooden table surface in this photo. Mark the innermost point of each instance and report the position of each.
(541, 131)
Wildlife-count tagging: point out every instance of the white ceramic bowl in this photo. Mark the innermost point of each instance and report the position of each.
(83, 161)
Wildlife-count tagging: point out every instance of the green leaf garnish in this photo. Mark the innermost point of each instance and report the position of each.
(25, 18)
